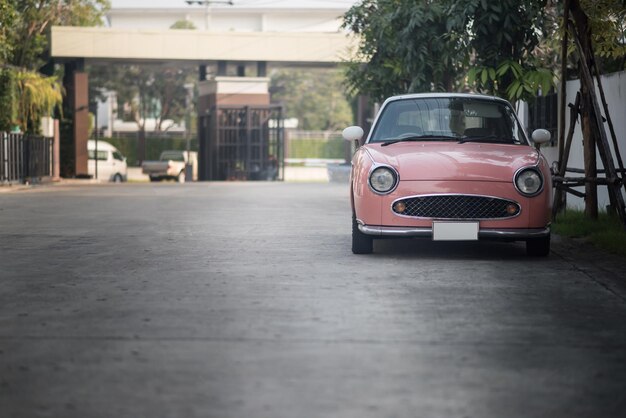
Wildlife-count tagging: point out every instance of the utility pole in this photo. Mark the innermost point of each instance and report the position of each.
(207, 6)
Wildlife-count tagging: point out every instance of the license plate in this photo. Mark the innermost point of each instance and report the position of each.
(455, 231)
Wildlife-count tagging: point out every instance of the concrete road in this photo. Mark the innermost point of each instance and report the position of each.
(244, 300)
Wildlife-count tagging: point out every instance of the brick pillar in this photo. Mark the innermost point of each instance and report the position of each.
(81, 122)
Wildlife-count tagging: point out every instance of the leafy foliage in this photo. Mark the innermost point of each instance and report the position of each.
(37, 96)
(8, 15)
(425, 45)
(8, 108)
(608, 28)
(407, 46)
(525, 83)
(145, 91)
(315, 97)
(183, 24)
(24, 41)
(33, 20)
(503, 37)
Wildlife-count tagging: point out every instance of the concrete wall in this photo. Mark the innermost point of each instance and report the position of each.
(615, 90)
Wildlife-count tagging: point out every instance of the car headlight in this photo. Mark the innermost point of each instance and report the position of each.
(529, 181)
(383, 179)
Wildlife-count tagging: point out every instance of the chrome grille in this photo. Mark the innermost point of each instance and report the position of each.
(457, 207)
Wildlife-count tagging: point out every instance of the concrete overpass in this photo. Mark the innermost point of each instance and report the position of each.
(311, 48)
(75, 46)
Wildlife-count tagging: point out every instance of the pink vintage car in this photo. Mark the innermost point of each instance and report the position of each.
(453, 167)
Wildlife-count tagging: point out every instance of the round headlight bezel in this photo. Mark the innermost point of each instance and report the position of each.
(522, 172)
(394, 179)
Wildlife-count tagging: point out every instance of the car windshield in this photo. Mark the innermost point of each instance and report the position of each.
(459, 119)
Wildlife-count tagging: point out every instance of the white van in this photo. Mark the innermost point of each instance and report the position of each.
(111, 163)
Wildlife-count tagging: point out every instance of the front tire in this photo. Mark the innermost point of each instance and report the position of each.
(361, 243)
(538, 247)
(118, 178)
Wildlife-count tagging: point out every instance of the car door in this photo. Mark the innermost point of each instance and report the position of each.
(103, 164)
(119, 163)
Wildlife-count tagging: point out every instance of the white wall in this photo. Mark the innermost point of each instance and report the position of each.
(614, 86)
(230, 20)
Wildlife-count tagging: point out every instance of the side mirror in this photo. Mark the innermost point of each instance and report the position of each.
(353, 133)
(541, 136)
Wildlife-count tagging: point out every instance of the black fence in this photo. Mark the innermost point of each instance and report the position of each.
(24, 158)
(241, 143)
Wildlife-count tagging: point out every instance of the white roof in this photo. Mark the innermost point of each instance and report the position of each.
(102, 145)
(443, 95)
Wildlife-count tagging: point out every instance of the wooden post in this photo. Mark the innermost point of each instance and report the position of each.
(581, 32)
(563, 98)
(589, 154)
(56, 153)
(605, 106)
(595, 117)
(559, 196)
(81, 122)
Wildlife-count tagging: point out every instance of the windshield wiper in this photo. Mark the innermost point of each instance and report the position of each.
(486, 138)
(419, 138)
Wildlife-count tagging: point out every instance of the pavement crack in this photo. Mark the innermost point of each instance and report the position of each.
(590, 275)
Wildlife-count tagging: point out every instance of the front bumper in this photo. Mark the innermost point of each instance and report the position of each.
(499, 233)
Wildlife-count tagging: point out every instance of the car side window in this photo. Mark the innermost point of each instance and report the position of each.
(118, 156)
(102, 155)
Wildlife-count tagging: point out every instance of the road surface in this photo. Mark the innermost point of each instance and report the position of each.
(244, 300)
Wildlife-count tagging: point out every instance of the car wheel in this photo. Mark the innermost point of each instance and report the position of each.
(117, 178)
(538, 247)
(154, 178)
(361, 243)
(181, 177)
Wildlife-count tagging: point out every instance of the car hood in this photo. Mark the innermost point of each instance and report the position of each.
(453, 161)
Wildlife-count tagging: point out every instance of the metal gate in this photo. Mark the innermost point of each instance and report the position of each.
(241, 143)
(24, 157)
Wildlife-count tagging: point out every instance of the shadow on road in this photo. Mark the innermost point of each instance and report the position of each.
(424, 248)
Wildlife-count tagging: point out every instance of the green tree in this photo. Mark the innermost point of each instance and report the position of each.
(37, 96)
(183, 24)
(8, 15)
(8, 101)
(145, 91)
(427, 45)
(29, 35)
(24, 43)
(607, 19)
(503, 37)
(406, 46)
(315, 97)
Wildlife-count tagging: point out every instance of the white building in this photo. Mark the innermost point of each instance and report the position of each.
(241, 16)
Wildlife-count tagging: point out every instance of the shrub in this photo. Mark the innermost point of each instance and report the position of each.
(8, 103)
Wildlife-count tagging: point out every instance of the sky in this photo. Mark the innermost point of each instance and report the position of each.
(341, 4)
